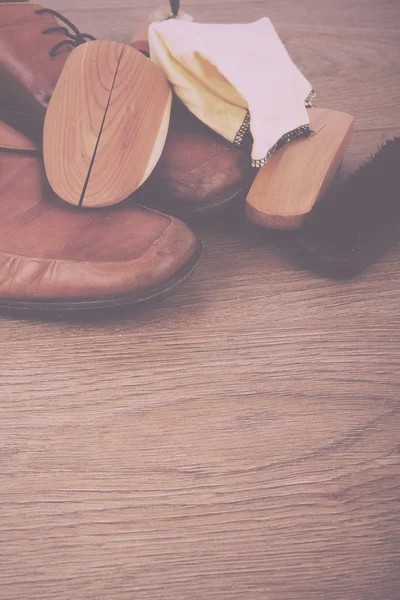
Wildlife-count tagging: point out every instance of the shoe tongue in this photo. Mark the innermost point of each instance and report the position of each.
(11, 139)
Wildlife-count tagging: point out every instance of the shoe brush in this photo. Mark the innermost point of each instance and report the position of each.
(299, 172)
(357, 222)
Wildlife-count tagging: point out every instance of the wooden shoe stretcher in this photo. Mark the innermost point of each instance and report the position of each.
(107, 120)
(106, 124)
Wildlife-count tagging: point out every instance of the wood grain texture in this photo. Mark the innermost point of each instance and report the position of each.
(241, 439)
(300, 172)
(106, 124)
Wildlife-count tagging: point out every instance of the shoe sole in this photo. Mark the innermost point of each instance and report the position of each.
(156, 293)
(188, 212)
(207, 209)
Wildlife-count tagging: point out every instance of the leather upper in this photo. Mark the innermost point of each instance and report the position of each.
(52, 250)
(197, 165)
(28, 74)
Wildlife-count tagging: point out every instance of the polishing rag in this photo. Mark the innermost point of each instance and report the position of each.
(235, 78)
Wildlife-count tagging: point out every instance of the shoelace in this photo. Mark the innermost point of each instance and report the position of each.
(73, 39)
(76, 37)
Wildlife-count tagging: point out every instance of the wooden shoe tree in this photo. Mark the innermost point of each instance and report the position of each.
(106, 124)
(300, 172)
(162, 13)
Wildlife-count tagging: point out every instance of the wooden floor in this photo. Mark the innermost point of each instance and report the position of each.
(239, 441)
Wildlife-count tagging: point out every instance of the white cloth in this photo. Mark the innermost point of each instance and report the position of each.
(233, 77)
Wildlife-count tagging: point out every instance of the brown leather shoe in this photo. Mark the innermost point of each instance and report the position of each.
(199, 173)
(57, 256)
(34, 46)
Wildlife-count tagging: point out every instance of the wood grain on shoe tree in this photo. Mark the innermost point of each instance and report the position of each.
(140, 40)
(300, 172)
(106, 124)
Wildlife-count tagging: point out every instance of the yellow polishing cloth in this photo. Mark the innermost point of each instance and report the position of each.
(233, 77)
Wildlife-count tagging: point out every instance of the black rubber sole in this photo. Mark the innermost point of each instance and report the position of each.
(156, 293)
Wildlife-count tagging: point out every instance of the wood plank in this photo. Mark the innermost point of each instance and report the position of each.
(239, 440)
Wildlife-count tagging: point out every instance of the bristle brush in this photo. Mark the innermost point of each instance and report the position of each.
(354, 224)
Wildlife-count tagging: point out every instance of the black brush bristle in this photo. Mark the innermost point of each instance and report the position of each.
(355, 223)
